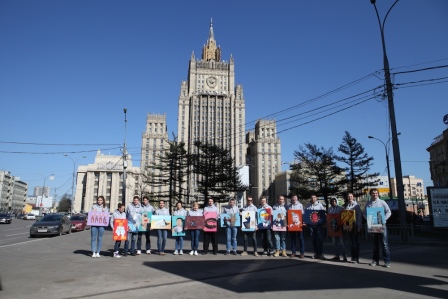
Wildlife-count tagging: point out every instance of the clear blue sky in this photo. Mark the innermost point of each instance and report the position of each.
(68, 68)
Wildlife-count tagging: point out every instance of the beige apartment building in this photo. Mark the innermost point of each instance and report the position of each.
(13, 193)
(438, 159)
(413, 187)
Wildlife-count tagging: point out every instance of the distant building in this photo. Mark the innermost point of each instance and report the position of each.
(38, 190)
(438, 159)
(282, 184)
(413, 187)
(13, 193)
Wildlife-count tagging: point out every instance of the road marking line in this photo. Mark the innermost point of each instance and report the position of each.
(12, 229)
(17, 234)
(21, 243)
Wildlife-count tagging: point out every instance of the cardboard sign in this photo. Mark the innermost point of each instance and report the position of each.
(376, 220)
(194, 222)
(145, 222)
(314, 217)
(230, 220)
(294, 220)
(98, 218)
(120, 232)
(161, 222)
(210, 222)
(177, 228)
(334, 225)
(348, 218)
(249, 221)
(264, 218)
(279, 220)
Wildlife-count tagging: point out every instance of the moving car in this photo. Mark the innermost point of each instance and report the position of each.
(30, 217)
(51, 224)
(78, 222)
(5, 218)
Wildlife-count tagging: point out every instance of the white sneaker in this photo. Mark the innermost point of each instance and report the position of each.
(117, 255)
(181, 252)
(97, 254)
(195, 252)
(175, 252)
(139, 252)
(148, 251)
(192, 252)
(94, 254)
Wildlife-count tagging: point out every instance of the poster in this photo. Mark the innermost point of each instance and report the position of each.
(249, 222)
(120, 232)
(211, 222)
(314, 217)
(194, 222)
(134, 220)
(279, 220)
(161, 222)
(98, 218)
(145, 222)
(264, 218)
(294, 220)
(438, 206)
(230, 220)
(376, 220)
(348, 218)
(334, 225)
(178, 226)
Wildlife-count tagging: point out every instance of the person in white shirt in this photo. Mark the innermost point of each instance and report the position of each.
(195, 233)
(351, 204)
(337, 241)
(316, 231)
(162, 234)
(145, 207)
(179, 243)
(296, 206)
(210, 207)
(231, 231)
(280, 236)
(266, 233)
(253, 235)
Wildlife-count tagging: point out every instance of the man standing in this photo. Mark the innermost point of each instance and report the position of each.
(316, 231)
(337, 241)
(376, 202)
(146, 207)
(231, 231)
(296, 206)
(266, 233)
(210, 207)
(253, 235)
(162, 233)
(280, 236)
(351, 204)
(133, 211)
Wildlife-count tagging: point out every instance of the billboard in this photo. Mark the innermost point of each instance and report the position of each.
(438, 206)
(45, 202)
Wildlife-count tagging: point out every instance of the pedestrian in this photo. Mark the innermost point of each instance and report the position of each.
(211, 236)
(133, 213)
(316, 231)
(337, 240)
(162, 233)
(145, 207)
(96, 232)
(280, 236)
(231, 230)
(294, 235)
(195, 233)
(353, 234)
(266, 233)
(179, 242)
(376, 202)
(250, 234)
(118, 214)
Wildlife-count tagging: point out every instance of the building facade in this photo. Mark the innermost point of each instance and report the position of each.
(105, 177)
(13, 193)
(413, 187)
(211, 106)
(38, 190)
(438, 159)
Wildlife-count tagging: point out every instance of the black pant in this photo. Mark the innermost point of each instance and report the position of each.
(248, 235)
(139, 240)
(207, 237)
(354, 244)
(266, 239)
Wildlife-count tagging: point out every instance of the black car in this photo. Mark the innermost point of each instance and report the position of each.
(5, 218)
(51, 224)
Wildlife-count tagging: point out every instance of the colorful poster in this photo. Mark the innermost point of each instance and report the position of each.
(376, 220)
(178, 226)
(334, 225)
(161, 222)
(249, 221)
(120, 232)
(145, 223)
(279, 220)
(230, 220)
(294, 220)
(134, 220)
(98, 218)
(314, 217)
(348, 218)
(211, 222)
(264, 218)
(194, 222)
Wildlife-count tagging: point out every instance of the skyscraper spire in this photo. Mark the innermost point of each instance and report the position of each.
(210, 50)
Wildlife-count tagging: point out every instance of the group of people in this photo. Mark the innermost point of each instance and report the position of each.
(133, 243)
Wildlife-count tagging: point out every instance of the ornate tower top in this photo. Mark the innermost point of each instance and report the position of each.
(210, 51)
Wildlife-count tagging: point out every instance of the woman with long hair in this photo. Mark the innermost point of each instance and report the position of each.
(96, 232)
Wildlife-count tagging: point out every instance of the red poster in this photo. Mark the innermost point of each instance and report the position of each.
(334, 225)
(120, 232)
(294, 220)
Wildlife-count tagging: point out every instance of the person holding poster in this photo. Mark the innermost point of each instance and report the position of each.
(145, 207)
(376, 202)
(162, 234)
(118, 214)
(337, 241)
(316, 231)
(179, 243)
(133, 211)
(280, 236)
(96, 232)
(351, 204)
(266, 233)
(195, 232)
(253, 235)
(231, 231)
(296, 206)
(210, 207)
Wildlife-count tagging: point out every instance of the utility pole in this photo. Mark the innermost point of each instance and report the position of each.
(125, 162)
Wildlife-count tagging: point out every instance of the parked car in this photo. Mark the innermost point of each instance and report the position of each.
(5, 218)
(78, 222)
(21, 216)
(51, 224)
(30, 217)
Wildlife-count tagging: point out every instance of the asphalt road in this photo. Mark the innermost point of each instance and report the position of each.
(16, 232)
(61, 267)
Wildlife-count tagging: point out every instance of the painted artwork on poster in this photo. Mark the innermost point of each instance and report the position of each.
(98, 218)
(314, 217)
(161, 222)
(294, 220)
(264, 218)
(120, 232)
(334, 225)
(134, 221)
(230, 220)
(348, 218)
(249, 221)
(194, 222)
(210, 222)
(178, 226)
(279, 220)
(376, 220)
(145, 222)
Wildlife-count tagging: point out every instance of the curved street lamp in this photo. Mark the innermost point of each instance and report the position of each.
(73, 178)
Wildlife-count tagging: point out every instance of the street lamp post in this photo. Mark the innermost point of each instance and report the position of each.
(73, 179)
(387, 163)
(51, 176)
(393, 125)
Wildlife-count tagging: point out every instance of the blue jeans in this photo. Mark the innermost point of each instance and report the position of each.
(117, 246)
(161, 239)
(131, 238)
(179, 243)
(195, 239)
(96, 233)
(317, 236)
(294, 236)
(231, 238)
(377, 238)
(339, 241)
(280, 243)
(266, 239)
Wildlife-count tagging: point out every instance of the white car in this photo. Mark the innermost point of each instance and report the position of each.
(30, 217)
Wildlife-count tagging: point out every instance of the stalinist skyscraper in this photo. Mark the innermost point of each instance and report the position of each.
(211, 107)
